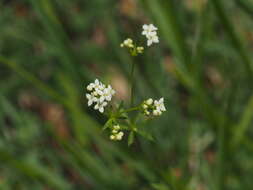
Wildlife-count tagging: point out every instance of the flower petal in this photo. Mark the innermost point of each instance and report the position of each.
(101, 109)
(96, 107)
(90, 102)
(88, 96)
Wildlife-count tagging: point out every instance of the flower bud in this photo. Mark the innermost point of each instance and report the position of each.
(112, 137)
(149, 101)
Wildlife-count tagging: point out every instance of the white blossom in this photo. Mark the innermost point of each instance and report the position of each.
(147, 29)
(112, 137)
(159, 104)
(149, 101)
(128, 43)
(140, 49)
(116, 134)
(154, 107)
(150, 31)
(91, 99)
(99, 94)
(116, 127)
(119, 135)
(152, 39)
(100, 106)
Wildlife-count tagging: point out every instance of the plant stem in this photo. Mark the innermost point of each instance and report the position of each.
(236, 41)
(220, 183)
(33, 80)
(131, 109)
(132, 84)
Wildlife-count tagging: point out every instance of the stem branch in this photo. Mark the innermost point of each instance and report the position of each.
(132, 84)
(130, 109)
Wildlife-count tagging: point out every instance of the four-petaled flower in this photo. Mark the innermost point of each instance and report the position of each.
(147, 29)
(159, 107)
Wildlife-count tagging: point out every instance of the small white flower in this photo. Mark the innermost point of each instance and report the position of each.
(144, 106)
(128, 43)
(160, 104)
(119, 135)
(147, 29)
(116, 127)
(152, 39)
(108, 93)
(150, 31)
(140, 49)
(112, 137)
(116, 134)
(90, 87)
(149, 101)
(91, 99)
(100, 106)
(114, 131)
(96, 83)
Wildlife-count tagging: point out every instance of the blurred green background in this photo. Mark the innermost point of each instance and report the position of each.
(51, 49)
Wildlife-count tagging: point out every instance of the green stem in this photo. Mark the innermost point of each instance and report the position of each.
(132, 84)
(236, 40)
(130, 109)
(33, 80)
(220, 183)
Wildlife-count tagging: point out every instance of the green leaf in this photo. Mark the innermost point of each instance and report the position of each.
(234, 37)
(130, 138)
(122, 117)
(108, 123)
(145, 135)
(121, 105)
(160, 186)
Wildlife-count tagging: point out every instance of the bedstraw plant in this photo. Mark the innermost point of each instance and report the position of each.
(120, 118)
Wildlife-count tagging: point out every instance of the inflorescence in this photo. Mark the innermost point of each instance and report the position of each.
(150, 31)
(116, 133)
(99, 94)
(133, 49)
(153, 107)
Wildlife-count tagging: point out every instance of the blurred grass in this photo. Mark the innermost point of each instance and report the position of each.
(49, 51)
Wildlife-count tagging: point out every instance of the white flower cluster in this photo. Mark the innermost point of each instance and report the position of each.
(116, 134)
(153, 107)
(99, 94)
(133, 49)
(140, 49)
(150, 31)
(127, 43)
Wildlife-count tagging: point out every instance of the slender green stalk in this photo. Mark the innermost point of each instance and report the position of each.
(131, 109)
(31, 78)
(233, 36)
(71, 105)
(132, 84)
(244, 123)
(220, 174)
(201, 34)
(224, 137)
(247, 6)
(168, 20)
